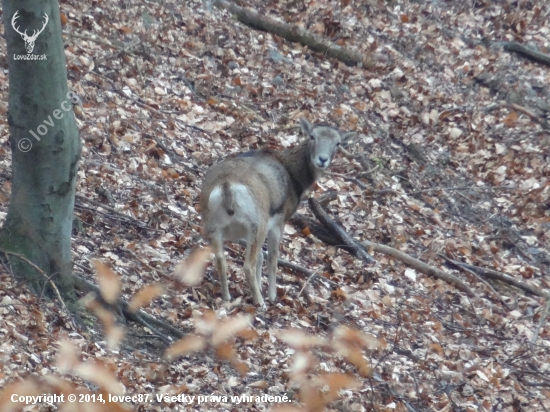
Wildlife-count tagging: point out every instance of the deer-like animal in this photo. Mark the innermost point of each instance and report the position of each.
(252, 195)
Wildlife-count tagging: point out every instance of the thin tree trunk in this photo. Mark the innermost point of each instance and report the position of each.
(45, 147)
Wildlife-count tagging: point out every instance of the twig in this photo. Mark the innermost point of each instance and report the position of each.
(127, 219)
(137, 316)
(350, 179)
(368, 172)
(419, 265)
(338, 232)
(305, 284)
(48, 279)
(155, 331)
(544, 124)
(495, 294)
(543, 316)
(382, 192)
(503, 277)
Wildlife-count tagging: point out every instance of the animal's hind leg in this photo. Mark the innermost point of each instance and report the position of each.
(254, 244)
(216, 240)
(259, 264)
(273, 239)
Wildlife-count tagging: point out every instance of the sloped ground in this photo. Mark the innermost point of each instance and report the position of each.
(469, 178)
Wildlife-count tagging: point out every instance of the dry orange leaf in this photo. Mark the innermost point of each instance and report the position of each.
(185, 346)
(355, 357)
(27, 387)
(230, 328)
(100, 376)
(296, 338)
(145, 295)
(67, 357)
(191, 270)
(436, 347)
(125, 30)
(336, 382)
(108, 281)
(511, 119)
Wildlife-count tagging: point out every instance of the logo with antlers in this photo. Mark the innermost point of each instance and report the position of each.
(29, 40)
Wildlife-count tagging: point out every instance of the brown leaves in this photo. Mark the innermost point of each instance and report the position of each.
(145, 295)
(191, 270)
(68, 362)
(211, 332)
(108, 281)
(185, 346)
(511, 119)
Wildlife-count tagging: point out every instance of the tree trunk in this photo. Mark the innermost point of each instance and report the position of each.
(45, 147)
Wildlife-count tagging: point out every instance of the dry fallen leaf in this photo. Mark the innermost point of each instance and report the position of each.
(191, 270)
(108, 281)
(185, 346)
(145, 295)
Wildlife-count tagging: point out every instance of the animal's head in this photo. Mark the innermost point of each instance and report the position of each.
(323, 142)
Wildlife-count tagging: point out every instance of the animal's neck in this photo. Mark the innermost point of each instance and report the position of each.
(297, 162)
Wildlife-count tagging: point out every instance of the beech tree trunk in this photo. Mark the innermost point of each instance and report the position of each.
(45, 147)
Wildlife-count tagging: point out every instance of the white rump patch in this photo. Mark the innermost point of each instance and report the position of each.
(234, 227)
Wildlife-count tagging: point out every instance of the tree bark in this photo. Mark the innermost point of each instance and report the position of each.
(45, 147)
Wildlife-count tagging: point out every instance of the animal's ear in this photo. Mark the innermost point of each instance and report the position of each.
(306, 126)
(349, 138)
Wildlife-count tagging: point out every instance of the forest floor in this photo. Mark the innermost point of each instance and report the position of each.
(453, 160)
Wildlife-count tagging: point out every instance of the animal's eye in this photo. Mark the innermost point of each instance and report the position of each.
(338, 144)
(312, 137)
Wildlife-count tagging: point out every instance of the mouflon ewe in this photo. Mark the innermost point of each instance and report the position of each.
(252, 195)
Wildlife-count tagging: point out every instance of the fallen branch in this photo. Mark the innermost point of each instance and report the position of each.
(418, 265)
(527, 52)
(123, 218)
(35, 267)
(338, 232)
(138, 316)
(387, 250)
(543, 316)
(305, 222)
(544, 124)
(503, 277)
(296, 35)
(492, 290)
(307, 272)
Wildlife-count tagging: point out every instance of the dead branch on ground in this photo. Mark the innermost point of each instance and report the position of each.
(338, 232)
(527, 52)
(138, 316)
(328, 237)
(503, 277)
(296, 35)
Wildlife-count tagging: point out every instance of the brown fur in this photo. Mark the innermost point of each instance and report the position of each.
(253, 194)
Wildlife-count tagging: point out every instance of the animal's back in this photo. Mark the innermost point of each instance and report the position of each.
(250, 187)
